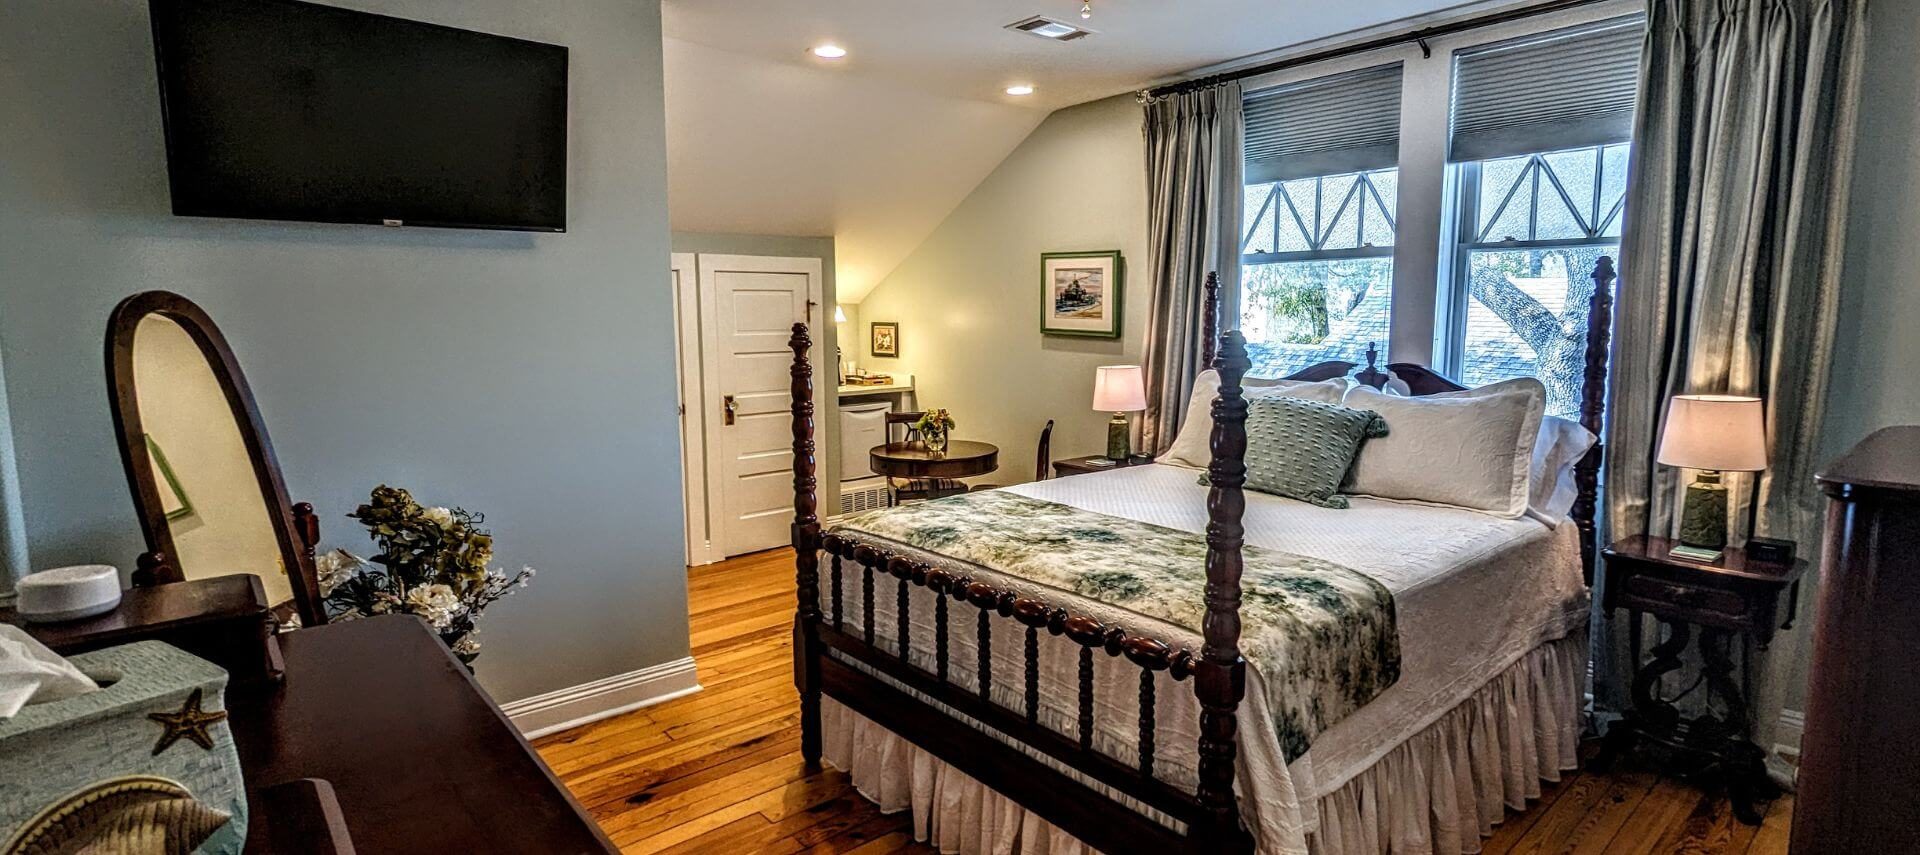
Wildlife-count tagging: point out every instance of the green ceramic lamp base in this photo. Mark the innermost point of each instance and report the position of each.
(1119, 438)
(1703, 516)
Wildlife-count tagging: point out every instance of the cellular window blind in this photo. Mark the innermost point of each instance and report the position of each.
(1340, 123)
(1570, 88)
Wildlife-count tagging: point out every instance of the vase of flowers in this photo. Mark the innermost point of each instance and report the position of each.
(431, 562)
(935, 426)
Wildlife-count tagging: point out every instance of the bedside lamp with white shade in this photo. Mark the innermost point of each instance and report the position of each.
(1119, 389)
(1713, 434)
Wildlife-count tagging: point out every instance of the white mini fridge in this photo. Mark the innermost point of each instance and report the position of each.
(862, 426)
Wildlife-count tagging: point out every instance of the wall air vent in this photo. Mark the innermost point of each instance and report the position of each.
(1050, 29)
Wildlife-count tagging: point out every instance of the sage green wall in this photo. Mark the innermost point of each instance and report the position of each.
(1880, 304)
(1876, 346)
(968, 299)
(527, 376)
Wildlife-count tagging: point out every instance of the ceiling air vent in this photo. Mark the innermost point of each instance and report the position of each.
(1050, 29)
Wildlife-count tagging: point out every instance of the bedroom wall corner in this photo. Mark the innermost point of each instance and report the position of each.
(968, 298)
(526, 376)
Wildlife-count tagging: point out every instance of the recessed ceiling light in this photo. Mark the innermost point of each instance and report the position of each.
(829, 51)
(1022, 89)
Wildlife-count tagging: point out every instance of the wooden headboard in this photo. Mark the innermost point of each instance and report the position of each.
(1422, 380)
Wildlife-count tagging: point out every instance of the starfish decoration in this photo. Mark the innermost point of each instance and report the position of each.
(190, 722)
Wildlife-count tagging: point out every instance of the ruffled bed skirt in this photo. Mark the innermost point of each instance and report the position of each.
(1440, 790)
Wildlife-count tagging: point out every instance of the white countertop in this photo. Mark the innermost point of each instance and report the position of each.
(901, 383)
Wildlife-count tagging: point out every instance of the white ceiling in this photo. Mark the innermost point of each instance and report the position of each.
(875, 149)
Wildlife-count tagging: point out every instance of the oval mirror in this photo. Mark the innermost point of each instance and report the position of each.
(205, 483)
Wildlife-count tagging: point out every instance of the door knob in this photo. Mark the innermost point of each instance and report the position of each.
(728, 405)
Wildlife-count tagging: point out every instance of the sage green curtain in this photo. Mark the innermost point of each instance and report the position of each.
(1194, 189)
(1742, 152)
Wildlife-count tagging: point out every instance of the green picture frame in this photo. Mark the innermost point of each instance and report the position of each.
(1083, 294)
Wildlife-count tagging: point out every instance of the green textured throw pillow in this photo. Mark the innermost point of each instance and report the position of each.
(1302, 449)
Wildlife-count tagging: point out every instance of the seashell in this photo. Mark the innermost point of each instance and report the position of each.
(134, 815)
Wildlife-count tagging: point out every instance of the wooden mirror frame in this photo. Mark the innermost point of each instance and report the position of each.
(295, 528)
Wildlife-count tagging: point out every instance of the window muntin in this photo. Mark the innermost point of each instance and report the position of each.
(1316, 277)
(1576, 194)
(1532, 227)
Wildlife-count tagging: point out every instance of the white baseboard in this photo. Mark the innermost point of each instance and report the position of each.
(1783, 759)
(603, 698)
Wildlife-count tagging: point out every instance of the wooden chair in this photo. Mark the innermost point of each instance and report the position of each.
(1042, 460)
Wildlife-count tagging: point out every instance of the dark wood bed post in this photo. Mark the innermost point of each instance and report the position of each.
(1220, 680)
(1209, 319)
(1593, 404)
(806, 550)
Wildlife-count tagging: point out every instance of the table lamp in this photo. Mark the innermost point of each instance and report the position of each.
(1713, 434)
(1119, 389)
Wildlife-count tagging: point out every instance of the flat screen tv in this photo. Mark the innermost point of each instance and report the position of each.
(283, 110)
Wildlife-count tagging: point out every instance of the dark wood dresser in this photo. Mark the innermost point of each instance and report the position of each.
(1860, 753)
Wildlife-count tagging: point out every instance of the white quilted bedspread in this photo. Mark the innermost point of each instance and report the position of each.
(1473, 593)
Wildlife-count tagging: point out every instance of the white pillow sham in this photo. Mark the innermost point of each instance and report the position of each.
(1192, 447)
(1471, 449)
(1552, 489)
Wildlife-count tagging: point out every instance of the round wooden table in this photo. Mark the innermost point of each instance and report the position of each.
(963, 459)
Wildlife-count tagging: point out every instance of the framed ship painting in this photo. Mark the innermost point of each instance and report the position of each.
(1080, 293)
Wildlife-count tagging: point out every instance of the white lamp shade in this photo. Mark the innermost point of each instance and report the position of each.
(1119, 389)
(839, 315)
(1727, 433)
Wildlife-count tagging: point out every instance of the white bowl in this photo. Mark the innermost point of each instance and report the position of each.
(68, 593)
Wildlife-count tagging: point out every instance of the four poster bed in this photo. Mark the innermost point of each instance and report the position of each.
(1415, 695)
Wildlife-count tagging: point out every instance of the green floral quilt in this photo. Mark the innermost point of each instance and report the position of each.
(1322, 636)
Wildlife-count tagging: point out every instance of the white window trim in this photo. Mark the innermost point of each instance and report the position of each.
(1422, 321)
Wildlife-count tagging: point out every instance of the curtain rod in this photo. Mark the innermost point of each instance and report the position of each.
(1417, 36)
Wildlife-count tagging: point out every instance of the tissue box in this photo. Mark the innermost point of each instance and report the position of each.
(148, 756)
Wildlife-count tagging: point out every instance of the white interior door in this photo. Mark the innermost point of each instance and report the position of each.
(688, 339)
(756, 300)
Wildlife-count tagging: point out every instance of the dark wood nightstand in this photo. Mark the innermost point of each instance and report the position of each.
(1732, 599)
(1095, 463)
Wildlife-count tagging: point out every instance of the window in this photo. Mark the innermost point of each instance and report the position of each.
(1539, 130)
(1532, 228)
(1445, 201)
(1316, 277)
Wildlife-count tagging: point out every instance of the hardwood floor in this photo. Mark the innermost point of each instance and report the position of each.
(720, 770)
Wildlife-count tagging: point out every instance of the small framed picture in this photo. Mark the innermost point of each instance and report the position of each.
(886, 338)
(1080, 293)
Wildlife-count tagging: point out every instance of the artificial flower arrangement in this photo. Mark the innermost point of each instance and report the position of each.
(935, 426)
(432, 562)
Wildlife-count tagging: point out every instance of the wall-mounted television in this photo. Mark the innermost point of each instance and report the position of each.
(284, 110)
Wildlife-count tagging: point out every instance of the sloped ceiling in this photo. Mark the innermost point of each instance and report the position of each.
(877, 148)
(757, 146)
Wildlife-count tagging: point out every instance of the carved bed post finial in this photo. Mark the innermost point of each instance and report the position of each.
(1209, 319)
(806, 545)
(1593, 404)
(1372, 375)
(1220, 678)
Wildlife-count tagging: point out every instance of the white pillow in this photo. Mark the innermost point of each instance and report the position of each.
(1552, 489)
(1193, 449)
(1470, 449)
